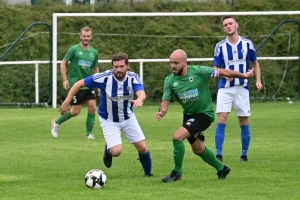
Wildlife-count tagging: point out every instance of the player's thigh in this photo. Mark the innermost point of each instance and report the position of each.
(76, 109)
(89, 95)
(132, 130)
(78, 98)
(111, 132)
(225, 99)
(91, 105)
(196, 125)
(242, 102)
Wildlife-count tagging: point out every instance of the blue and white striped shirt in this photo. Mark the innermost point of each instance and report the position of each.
(235, 57)
(114, 104)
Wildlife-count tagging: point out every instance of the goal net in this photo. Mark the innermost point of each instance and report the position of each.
(157, 35)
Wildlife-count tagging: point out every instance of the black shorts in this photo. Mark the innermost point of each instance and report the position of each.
(196, 124)
(82, 96)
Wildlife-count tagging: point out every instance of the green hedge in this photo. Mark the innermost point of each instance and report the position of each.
(145, 37)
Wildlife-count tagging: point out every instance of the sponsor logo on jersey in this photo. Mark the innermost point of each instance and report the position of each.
(121, 98)
(85, 64)
(188, 95)
(239, 61)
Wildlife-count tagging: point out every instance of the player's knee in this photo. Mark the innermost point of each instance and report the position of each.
(198, 147)
(143, 150)
(75, 112)
(141, 147)
(222, 118)
(179, 136)
(116, 150)
(92, 109)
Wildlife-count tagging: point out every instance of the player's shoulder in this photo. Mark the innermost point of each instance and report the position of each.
(76, 46)
(222, 42)
(93, 49)
(193, 68)
(170, 78)
(246, 39)
(132, 74)
(108, 72)
(196, 69)
(171, 75)
(105, 73)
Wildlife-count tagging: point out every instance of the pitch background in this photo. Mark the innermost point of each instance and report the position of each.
(34, 165)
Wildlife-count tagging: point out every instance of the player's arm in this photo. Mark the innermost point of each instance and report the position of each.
(65, 106)
(256, 66)
(163, 109)
(63, 71)
(234, 74)
(95, 64)
(256, 71)
(96, 70)
(63, 67)
(167, 96)
(141, 97)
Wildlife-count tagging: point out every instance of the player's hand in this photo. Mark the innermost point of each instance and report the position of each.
(136, 103)
(259, 86)
(66, 84)
(64, 108)
(249, 74)
(228, 79)
(159, 116)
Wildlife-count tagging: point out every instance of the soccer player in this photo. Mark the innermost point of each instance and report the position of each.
(83, 63)
(118, 87)
(234, 53)
(189, 84)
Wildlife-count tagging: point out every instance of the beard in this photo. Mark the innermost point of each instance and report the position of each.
(85, 42)
(231, 34)
(119, 75)
(179, 72)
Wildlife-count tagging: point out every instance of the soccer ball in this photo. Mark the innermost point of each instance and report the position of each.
(95, 179)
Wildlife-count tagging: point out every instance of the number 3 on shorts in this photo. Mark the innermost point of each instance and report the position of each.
(74, 99)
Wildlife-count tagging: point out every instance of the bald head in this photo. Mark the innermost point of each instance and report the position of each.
(178, 54)
(178, 62)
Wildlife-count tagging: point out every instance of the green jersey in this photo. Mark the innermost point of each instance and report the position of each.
(82, 63)
(192, 90)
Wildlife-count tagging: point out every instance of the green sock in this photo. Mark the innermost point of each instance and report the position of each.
(178, 154)
(209, 157)
(90, 121)
(64, 118)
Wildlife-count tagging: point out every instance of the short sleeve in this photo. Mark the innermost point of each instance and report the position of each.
(167, 95)
(69, 55)
(95, 63)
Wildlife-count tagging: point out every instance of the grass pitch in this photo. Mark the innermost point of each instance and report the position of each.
(34, 165)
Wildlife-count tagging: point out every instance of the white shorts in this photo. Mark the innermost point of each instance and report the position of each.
(112, 131)
(237, 96)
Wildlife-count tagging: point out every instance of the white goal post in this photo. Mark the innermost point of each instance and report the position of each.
(139, 14)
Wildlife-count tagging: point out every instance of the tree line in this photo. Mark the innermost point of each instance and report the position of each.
(145, 37)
